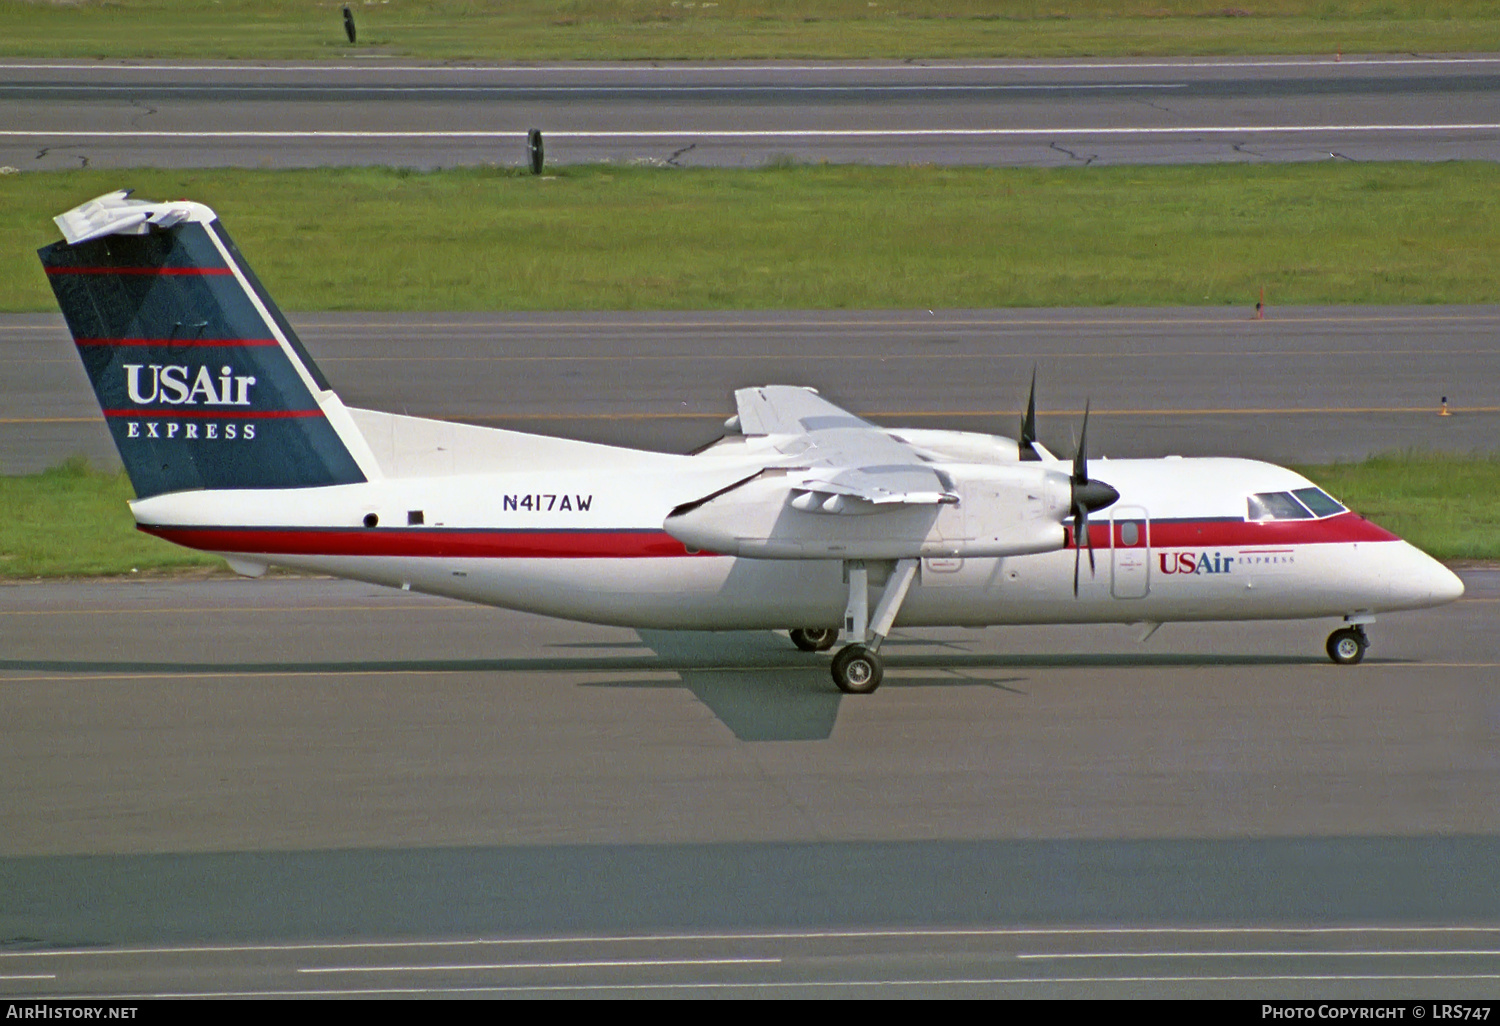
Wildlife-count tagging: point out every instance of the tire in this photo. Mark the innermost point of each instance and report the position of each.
(1346, 646)
(857, 670)
(814, 639)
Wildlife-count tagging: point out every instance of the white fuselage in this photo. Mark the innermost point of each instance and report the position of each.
(576, 531)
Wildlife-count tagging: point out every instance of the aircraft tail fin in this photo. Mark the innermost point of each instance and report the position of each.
(203, 383)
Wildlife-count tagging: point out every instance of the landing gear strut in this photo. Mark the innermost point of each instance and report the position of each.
(1346, 646)
(814, 639)
(857, 668)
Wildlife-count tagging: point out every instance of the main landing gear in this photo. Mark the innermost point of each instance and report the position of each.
(857, 668)
(814, 639)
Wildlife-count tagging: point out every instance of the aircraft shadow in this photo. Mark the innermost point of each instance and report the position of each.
(782, 698)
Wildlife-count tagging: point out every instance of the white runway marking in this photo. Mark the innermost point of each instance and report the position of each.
(813, 984)
(655, 938)
(605, 87)
(803, 133)
(624, 963)
(1429, 953)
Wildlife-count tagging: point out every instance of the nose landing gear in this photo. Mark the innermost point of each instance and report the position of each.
(1346, 646)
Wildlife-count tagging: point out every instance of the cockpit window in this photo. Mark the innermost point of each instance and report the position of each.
(1276, 506)
(1319, 501)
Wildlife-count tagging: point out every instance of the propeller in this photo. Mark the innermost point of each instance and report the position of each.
(1087, 496)
(1028, 426)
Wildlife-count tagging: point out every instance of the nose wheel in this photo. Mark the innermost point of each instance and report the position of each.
(1346, 646)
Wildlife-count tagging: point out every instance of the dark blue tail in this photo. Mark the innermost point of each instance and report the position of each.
(202, 381)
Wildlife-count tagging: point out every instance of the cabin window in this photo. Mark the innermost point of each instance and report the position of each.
(1319, 501)
(1276, 506)
(1130, 533)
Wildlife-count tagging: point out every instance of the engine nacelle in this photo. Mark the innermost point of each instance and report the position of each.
(1001, 510)
(959, 446)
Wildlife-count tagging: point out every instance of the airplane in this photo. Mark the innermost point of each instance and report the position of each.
(801, 517)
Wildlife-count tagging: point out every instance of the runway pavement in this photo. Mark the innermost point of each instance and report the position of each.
(303, 786)
(1305, 385)
(67, 114)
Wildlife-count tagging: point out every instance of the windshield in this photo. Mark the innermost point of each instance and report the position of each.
(1301, 504)
(1276, 506)
(1320, 502)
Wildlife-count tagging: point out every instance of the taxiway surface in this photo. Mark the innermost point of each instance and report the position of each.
(1035, 113)
(294, 786)
(1305, 385)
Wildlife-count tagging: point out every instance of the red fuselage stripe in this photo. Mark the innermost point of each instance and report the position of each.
(1195, 534)
(140, 270)
(431, 543)
(176, 342)
(216, 412)
(456, 543)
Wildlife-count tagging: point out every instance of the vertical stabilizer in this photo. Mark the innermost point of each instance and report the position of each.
(202, 381)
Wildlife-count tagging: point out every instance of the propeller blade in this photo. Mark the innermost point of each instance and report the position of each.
(1087, 497)
(1080, 458)
(1028, 425)
(1077, 552)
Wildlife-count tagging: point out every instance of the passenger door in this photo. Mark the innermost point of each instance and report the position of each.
(1130, 550)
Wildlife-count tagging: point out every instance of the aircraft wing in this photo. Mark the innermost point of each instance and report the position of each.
(843, 455)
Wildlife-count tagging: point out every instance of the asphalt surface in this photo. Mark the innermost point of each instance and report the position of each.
(1030, 113)
(1304, 385)
(303, 786)
(306, 786)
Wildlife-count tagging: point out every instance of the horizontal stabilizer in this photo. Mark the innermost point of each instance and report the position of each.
(118, 214)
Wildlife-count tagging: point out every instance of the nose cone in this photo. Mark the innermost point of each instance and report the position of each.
(1446, 585)
(1422, 581)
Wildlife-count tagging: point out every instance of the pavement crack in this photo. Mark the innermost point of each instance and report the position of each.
(83, 160)
(1240, 148)
(673, 158)
(146, 110)
(1069, 153)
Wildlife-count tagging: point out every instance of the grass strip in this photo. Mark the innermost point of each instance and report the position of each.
(618, 237)
(535, 30)
(1444, 505)
(72, 520)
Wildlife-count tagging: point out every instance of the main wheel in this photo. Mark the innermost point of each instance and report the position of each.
(857, 670)
(814, 639)
(1346, 646)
